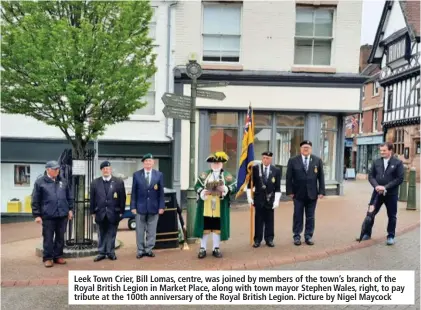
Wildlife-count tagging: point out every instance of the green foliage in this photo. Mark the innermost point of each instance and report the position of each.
(76, 65)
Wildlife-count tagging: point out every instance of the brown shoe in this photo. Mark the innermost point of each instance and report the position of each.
(48, 263)
(60, 261)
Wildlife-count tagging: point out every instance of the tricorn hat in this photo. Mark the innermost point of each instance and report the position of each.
(217, 157)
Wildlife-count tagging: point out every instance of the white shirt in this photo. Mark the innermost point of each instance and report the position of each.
(304, 159)
(106, 178)
(267, 170)
(385, 163)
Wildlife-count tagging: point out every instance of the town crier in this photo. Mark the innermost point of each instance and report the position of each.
(214, 188)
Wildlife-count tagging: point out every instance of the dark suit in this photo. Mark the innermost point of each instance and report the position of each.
(305, 186)
(390, 178)
(264, 197)
(147, 200)
(107, 202)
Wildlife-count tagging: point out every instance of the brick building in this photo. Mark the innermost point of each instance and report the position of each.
(364, 130)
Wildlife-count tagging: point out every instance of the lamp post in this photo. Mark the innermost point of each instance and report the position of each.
(194, 71)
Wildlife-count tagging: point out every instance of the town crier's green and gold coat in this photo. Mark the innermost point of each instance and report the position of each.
(231, 183)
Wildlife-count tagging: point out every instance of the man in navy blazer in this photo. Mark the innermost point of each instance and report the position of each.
(386, 174)
(147, 202)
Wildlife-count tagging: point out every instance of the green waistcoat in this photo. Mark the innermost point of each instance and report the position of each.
(231, 184)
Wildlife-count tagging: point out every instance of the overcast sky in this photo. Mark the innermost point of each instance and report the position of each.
(372, 10)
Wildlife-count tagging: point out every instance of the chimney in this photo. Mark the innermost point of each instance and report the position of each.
(365, 51)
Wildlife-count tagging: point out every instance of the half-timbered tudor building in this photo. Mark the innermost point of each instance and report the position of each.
(397, 49)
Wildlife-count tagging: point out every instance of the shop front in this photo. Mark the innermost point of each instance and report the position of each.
(368, 151)
(23, 161)
(285, 113)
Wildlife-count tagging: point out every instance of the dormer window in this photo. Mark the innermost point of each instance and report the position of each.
(397, 51)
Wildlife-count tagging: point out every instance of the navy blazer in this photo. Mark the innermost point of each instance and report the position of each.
(391, 178)
(111, 204)
(147, 199)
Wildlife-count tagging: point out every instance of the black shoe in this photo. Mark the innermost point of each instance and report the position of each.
(309, 242)
(99, 258)
(256, 244)
(139, 256)
(202, 253)
(217, 253)
(297, 242)
(150, 254)
(112, 257)
(270, 244)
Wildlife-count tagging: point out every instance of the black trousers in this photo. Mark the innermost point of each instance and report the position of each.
(106, 237)
(301, 206)
(53, 231)
(391, 203)
(263, 224)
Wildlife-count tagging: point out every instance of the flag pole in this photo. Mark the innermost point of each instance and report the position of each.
(251, 209)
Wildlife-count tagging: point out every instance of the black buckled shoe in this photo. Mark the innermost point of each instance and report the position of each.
(297, 242)
(99, 258)
(270, 244)
(150, 254)
(112, 257)
(217, 253)
(202, 253)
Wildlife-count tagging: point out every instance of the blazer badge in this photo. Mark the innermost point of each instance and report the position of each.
(273, 179)
(155, 187)
(315, 169)
(392, 167)
(115, 195)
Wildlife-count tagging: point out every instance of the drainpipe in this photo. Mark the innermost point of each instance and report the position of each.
(168, 133)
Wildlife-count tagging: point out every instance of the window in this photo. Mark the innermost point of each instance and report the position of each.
(313, 36)
(149, 108)
(375, 120)
(375, 89)
(390, 99)
(262, 132)
(152, 24)
(398, 142)
(329, 128)
(224, 137)
(221, 32)
(396, 51)
(22, 175)
(289, 134)
(363, 92)
(417, 147)
(417, 99)
(361, 123)
(125, 167)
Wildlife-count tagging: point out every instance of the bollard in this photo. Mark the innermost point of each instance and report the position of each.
(412, 191)
(403, 188)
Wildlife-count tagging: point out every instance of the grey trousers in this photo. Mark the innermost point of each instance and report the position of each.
(146, 224)
(106, 237)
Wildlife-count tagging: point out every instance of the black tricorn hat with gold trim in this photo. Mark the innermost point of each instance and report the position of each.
(217, 157)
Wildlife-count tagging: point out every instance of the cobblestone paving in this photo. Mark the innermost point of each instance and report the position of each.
(405, 255)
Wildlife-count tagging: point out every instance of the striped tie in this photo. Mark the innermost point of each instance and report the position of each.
(305, 164)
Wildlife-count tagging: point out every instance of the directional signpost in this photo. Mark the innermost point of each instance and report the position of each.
(184, 108)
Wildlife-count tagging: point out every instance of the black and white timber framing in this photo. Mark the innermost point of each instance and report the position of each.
(399, 56)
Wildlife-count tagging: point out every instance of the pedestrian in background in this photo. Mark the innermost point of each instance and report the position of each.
(52, 205)
(305, 183)
(147, 202)
(386, 174)
(107, 203)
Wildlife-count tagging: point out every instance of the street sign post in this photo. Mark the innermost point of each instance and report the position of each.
(209, 94)
(173, 100)
(211, 84)
(177, 113)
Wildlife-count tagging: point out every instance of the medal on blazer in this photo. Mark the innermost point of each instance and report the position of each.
(315, 169)
(273, 179)
(155, 187)
(115, 195)
(61, 184)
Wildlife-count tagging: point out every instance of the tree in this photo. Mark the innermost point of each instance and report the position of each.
(76, 65)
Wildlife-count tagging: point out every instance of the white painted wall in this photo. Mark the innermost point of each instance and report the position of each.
(8, 188)
(267, 38)
(141, 128)
(284, 98)
(395, 20)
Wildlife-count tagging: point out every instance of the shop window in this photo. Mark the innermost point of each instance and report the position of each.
(399, 141)
(224, 119)
(262, 132)
(125, 167)
(225, 139)
(328, 136)
(22, 175)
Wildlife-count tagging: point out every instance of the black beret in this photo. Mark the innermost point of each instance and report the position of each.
(147, 156)
(267, 153)
(105, 164)
(308, 142)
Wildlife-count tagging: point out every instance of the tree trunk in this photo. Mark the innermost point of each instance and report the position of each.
(80, 206)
